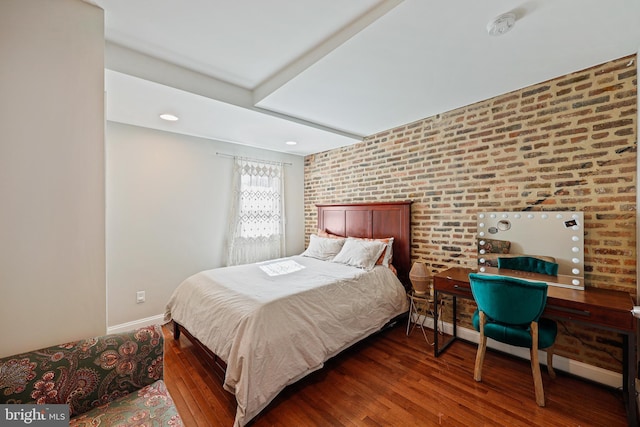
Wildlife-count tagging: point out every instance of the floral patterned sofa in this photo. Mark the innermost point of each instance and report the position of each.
(113, 380)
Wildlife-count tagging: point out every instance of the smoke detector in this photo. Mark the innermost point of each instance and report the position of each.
(501, 24)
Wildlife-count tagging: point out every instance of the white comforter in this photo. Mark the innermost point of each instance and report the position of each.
(275, 322)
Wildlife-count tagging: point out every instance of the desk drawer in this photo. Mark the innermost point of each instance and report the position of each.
(593, 315)
(452, 286)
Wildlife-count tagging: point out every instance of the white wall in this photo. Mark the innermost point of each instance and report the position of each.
(52, 254)
(167, 213)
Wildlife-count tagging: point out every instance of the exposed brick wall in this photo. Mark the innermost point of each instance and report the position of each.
(565, 144)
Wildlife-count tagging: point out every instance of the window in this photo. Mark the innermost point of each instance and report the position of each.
(257, 217)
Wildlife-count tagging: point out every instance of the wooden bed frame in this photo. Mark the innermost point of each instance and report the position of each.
(368, 220)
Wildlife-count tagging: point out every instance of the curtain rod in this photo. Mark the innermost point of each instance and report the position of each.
(273, 162)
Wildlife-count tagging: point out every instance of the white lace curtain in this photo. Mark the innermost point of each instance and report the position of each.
(257, 212)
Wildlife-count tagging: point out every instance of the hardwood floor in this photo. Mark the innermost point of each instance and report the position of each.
(394, 380)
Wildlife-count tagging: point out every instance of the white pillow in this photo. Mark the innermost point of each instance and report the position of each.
(323, 248)
(388, 255)
(360, 253)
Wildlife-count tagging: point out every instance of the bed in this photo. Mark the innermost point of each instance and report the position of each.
(267, 325)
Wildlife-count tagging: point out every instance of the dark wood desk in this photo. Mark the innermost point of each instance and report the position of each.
(602, 308)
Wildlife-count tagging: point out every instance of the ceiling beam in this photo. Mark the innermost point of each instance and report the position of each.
(133, 63)
(312, 56)
(137, 64)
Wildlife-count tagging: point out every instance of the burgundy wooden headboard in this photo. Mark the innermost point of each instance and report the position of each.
(376, 221)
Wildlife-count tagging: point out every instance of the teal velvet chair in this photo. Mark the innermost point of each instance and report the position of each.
(509, 311)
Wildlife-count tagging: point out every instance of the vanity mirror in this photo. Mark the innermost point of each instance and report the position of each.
(544, 246)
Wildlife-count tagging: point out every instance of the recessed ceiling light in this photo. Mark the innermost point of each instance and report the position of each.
(169, 117)
(291, 143)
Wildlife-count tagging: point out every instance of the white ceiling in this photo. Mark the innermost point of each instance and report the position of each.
(325, 73)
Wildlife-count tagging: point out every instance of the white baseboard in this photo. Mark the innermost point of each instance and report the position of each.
(140, 323)
(560, 363)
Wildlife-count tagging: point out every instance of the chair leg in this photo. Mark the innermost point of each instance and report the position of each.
(535, 365)
(549, 351)
(482, 347)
